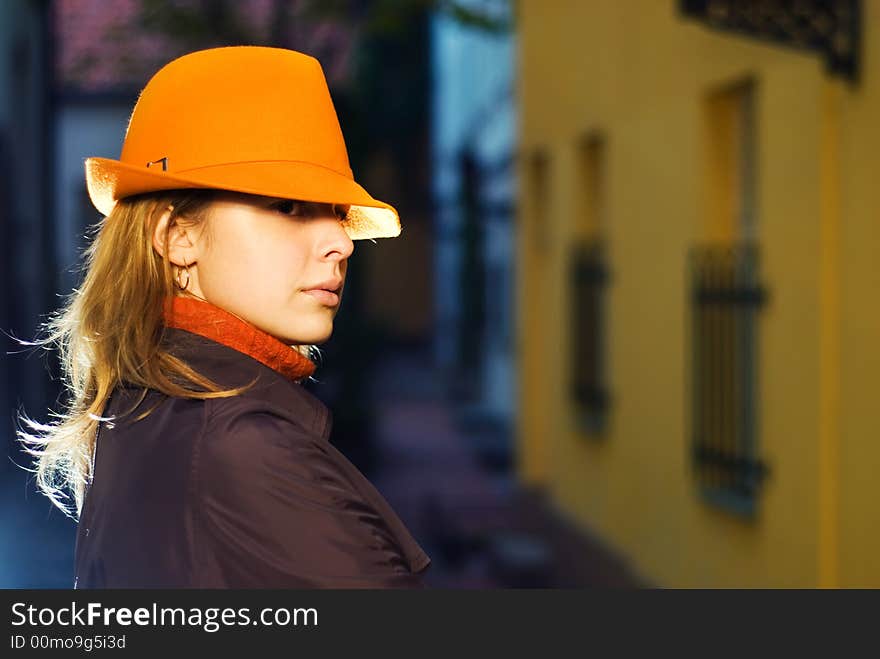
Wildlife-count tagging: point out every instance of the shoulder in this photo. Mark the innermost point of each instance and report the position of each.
(246, 439)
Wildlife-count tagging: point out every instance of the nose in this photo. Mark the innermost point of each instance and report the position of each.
(335, 239)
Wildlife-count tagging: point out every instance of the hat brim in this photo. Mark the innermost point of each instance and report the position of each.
(109, 180)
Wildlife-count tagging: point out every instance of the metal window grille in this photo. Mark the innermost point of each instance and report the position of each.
(589, 281)
(726, 301)
(832, 28)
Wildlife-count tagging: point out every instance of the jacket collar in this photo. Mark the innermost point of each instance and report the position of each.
(233, 353)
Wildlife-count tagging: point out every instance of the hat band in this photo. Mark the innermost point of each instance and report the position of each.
(348, 174)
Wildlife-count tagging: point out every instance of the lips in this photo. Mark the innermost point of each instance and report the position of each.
(326, 292)
(330, 285)
(324, 296)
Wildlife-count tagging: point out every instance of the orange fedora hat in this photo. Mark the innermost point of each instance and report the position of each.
(250, 119)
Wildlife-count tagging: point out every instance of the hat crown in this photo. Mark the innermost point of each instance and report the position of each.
(236, 104)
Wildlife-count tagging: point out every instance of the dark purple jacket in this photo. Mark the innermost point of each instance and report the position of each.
(241, 492)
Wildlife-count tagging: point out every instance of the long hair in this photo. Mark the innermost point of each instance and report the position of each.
(109, 331)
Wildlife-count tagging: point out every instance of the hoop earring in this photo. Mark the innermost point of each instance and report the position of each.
(185, 270)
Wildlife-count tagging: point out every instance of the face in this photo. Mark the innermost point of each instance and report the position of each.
(267, 261)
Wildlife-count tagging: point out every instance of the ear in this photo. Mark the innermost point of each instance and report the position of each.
(182, 249)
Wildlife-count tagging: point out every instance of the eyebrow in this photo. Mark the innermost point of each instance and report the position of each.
(274, 200)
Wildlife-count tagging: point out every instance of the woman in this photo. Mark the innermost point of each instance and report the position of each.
(194, 454)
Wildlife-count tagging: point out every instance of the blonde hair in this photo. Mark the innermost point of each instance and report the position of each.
(110, 330)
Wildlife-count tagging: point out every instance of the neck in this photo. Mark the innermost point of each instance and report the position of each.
(208, 320)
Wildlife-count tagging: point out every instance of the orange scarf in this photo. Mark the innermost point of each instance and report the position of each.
(208, 320)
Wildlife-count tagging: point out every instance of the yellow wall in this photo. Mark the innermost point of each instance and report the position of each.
(860, 318)
(639, 75)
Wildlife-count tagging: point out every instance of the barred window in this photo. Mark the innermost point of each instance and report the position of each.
(726, 298)
(589, 277)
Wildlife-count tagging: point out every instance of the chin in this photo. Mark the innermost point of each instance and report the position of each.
(321, 333)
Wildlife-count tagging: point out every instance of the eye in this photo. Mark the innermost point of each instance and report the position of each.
(290, 207)
(341, 212)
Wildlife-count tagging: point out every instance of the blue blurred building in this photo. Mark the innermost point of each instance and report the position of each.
(473, 140)
(36, 548)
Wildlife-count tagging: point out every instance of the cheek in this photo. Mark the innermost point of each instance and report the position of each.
(263, 267)
(226, 272)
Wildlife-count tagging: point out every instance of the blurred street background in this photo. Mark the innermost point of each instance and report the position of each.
(627, 337)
